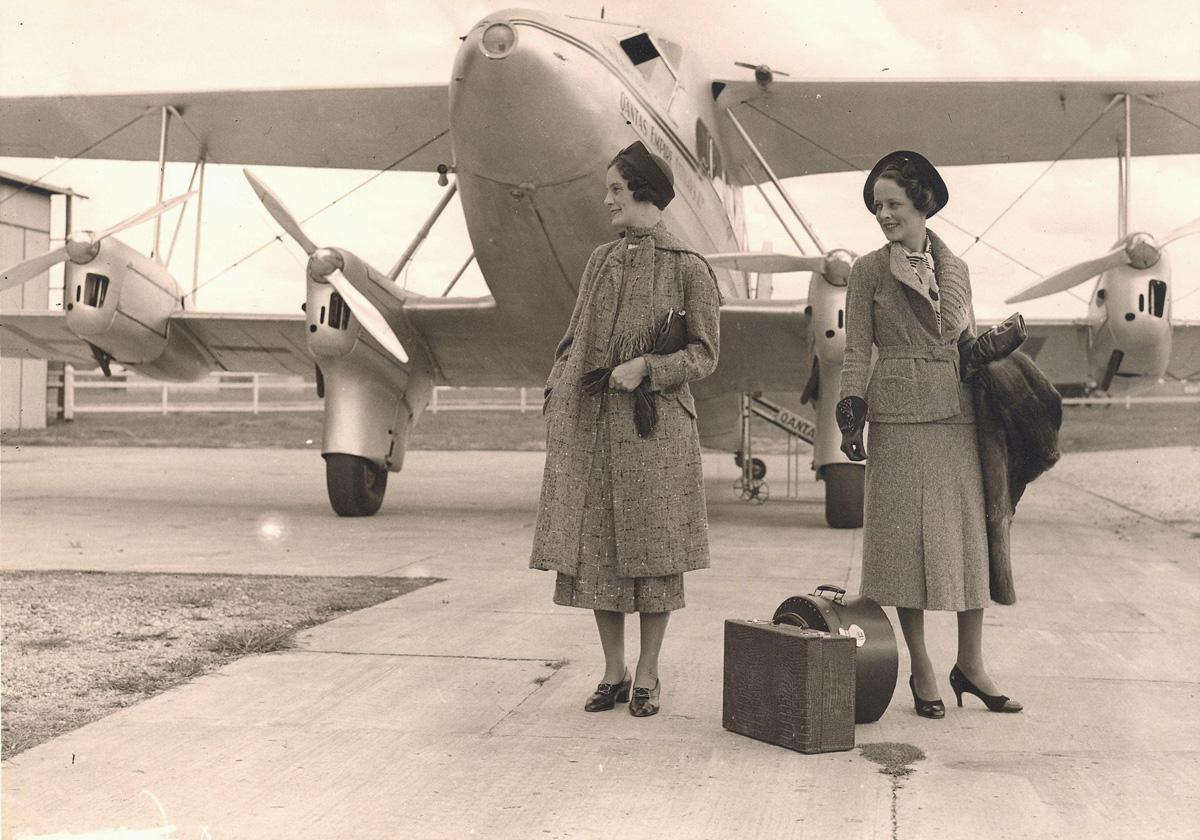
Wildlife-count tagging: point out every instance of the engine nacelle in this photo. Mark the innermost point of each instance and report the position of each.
(1130, 312)
(827, 314)
(121, 302)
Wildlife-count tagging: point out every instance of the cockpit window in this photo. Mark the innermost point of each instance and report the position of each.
(645, 56)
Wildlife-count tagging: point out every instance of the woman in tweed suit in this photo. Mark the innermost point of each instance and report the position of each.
(622, 516)
(925, 540)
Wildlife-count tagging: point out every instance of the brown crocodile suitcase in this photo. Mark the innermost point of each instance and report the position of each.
(789, 686)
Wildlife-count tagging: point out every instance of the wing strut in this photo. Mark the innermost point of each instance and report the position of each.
(762, 161)
(423, 232)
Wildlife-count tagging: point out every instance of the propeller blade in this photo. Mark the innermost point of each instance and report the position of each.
(145, 215)
(1190, 229)
(280, 214)
(26, 270)
(1071, 276)
(370, 317)
(766, 262)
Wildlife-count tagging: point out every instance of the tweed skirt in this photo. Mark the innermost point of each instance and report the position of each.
(598, 586)
(925, 536)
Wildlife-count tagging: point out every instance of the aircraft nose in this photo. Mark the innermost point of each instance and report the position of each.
(521, 110)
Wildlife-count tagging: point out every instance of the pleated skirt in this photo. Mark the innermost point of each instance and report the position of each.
(925, 537)
(598, 586)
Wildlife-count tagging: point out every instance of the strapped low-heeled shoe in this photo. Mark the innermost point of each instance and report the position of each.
(933, 709)
(609, 695)
(645, 701)
(994, 702)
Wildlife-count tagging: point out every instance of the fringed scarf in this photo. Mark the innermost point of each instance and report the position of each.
(643, 304)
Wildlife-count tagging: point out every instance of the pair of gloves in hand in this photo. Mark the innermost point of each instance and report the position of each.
(973, 354)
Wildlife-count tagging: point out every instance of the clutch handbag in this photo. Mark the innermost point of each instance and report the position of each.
(671, 337)
(993, 344)
(1002, 339)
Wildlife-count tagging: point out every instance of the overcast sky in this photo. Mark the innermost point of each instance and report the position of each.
(85, 46)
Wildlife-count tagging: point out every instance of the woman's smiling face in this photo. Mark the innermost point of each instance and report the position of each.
(625, 210)
(898, 219)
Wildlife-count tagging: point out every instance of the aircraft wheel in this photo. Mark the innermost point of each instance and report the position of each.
(355, 485)
(844, 495)
(758, 469)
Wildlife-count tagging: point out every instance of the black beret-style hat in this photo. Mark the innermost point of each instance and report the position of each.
(651, 167)
(925, 172)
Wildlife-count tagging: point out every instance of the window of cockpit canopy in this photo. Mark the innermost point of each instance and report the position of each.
(656, 59)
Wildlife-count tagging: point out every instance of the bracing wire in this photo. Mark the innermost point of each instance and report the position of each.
(854, 167)
(78, 154)
(279, 237)
(1033, 183)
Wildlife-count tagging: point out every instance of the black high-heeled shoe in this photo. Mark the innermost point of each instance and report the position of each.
(933, 709)
(608, 695)
(645, 700)
(994, 702)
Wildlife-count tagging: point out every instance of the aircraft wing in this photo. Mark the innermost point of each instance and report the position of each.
(804, 127)
(42, 334)
(250, 343)
(1185, 350)
(357, 128)
(763, 348)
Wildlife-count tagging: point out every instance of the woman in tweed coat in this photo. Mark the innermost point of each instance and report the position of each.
(622, 516)
(925, 539)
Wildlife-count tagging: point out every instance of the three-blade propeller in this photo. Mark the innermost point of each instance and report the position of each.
(1140, 250)
(327, 264)
(81, 247)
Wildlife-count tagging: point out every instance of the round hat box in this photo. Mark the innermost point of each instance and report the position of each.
(875, 660)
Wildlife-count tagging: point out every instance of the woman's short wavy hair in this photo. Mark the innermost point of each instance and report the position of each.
(639, 186)
(908, 174)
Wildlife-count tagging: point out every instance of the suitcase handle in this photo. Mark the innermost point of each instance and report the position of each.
(839, 594)
(790, 618)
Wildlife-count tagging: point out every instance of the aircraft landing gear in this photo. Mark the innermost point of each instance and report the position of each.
(356, 485)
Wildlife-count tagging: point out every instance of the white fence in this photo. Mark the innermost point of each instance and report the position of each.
(90, 392)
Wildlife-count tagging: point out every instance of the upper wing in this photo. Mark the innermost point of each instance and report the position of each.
(764, 347)
(250, 343)
(1185, 350)
(361, 128)
(804, 127)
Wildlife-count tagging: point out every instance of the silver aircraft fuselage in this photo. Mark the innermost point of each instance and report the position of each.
(533, 132)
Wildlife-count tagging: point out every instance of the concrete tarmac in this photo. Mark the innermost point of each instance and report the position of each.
(456, 710)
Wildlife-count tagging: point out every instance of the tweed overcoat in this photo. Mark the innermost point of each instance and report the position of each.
(915, 379)
(660, 521)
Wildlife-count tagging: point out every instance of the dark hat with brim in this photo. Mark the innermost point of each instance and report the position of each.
(656, 172)
(925, 171)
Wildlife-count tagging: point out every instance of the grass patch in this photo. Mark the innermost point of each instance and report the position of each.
(47, 643)
(135, 635)
(247, 641)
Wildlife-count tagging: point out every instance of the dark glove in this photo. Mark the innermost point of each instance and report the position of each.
(995, 343)
(852, 419)
(596, 380)
(645, 410)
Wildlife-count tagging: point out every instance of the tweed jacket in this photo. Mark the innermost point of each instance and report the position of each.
(915, 377)
(656, 483)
